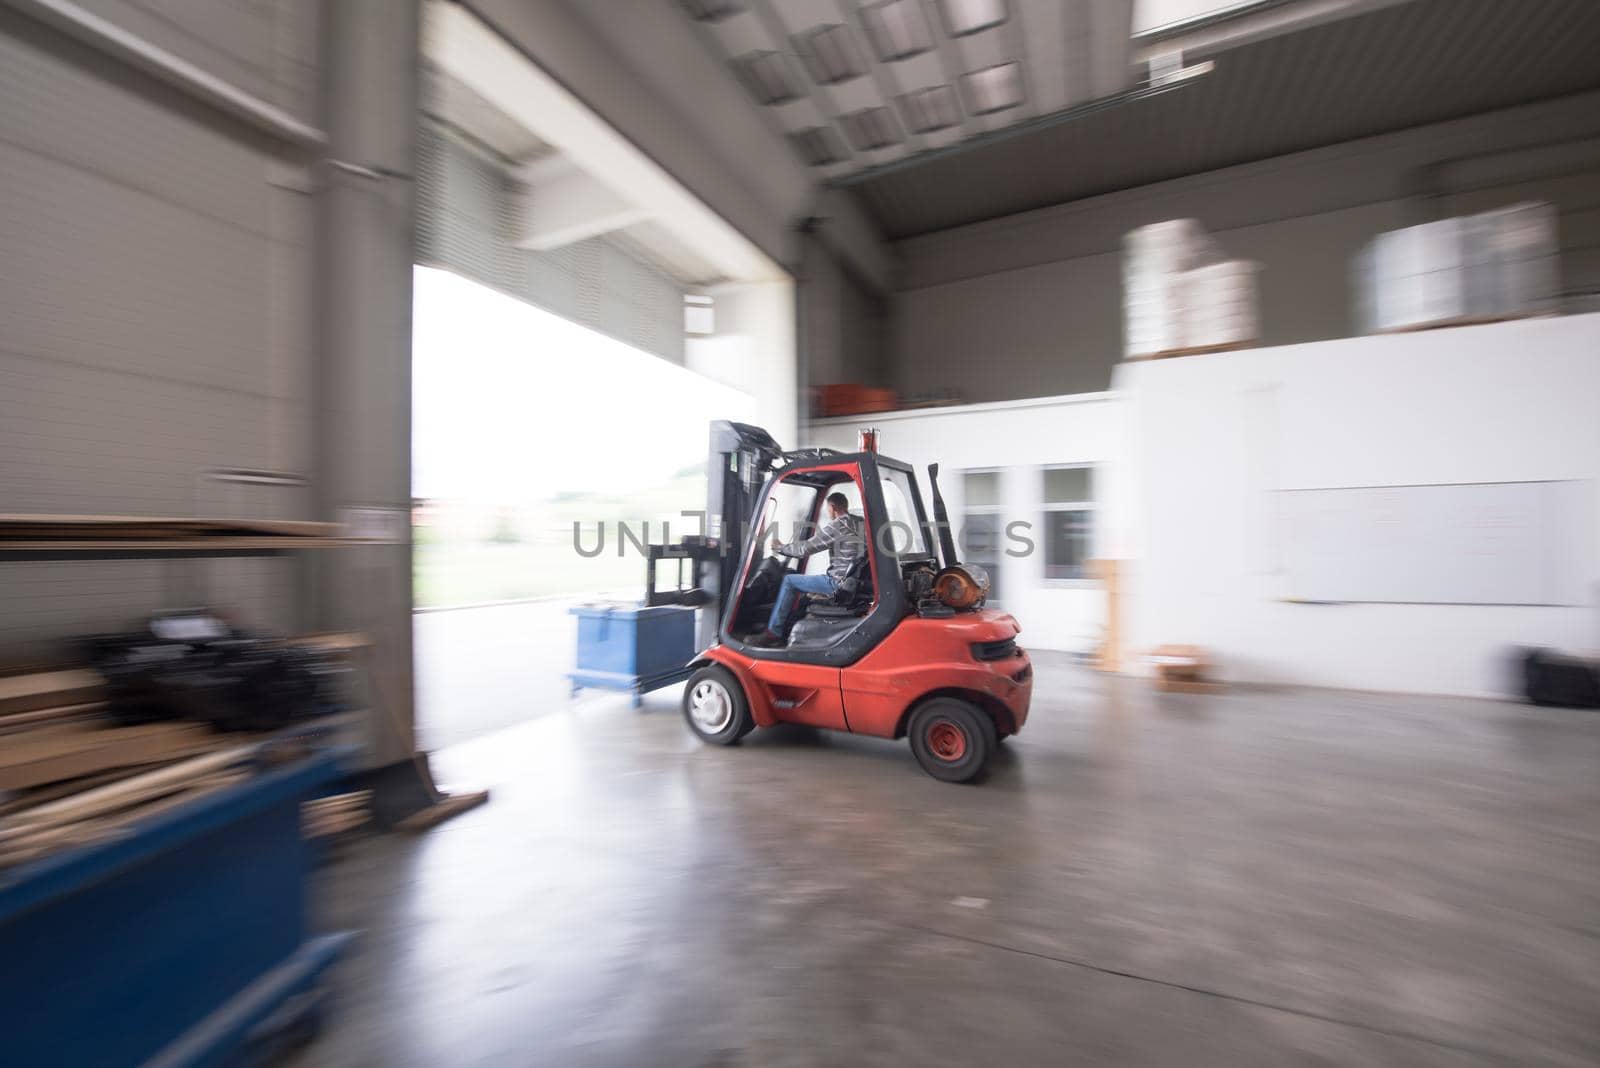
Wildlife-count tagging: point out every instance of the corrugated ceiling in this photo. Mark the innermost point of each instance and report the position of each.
(1386, 70)
(857, 83)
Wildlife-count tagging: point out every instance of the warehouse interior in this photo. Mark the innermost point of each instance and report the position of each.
(799, 532)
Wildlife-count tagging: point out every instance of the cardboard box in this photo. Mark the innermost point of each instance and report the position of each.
(1498, 264)
(1179, 294)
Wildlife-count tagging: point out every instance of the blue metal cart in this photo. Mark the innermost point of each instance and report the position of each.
(625, 646)
(180, 943)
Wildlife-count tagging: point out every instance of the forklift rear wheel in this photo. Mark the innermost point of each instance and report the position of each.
(714, 706)
(951, 738)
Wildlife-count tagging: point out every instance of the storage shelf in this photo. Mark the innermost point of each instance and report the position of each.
(71, 537)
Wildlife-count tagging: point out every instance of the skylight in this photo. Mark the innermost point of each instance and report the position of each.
(962, 17)
(831, 54)
(993, 88)
(930, 109)
(768, 76)
(819, 146)
(871, 128)
(897, 29)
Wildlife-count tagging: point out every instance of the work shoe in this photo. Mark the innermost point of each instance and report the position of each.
(766, 640)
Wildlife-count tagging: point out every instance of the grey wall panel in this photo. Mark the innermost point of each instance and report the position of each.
(118, 279)
(864, 336)
(1371, 171)
(156, 283)
(82, 440)
(1037, 331)
(458, 209)
(229, 39)
(1030, 305)
(69, 103)
(47, 605)
(265, 47)
(1577, 199)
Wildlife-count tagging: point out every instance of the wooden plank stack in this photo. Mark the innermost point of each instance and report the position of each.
(70, 776)
(335, 814)
(90, 533)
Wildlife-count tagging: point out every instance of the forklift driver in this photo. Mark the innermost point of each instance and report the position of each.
(843, 539)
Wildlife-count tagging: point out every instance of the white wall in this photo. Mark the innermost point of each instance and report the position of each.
(753, 350)
(1017, 439)
(1212, 436)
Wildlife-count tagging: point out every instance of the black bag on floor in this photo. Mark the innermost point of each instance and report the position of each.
(1552, 678)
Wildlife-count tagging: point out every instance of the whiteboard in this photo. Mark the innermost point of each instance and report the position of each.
(1507, 543)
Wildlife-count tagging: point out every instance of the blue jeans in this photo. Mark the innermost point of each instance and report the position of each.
(793, 586)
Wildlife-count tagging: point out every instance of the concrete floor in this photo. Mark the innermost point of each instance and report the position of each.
(1251, 878)
(481, 670)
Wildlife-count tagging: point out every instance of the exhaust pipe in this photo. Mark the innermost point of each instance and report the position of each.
(941, 520)
(957, 585)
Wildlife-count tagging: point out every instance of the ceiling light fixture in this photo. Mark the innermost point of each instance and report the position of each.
(768, 77)
(993, 88)
(930, 109)
(962, 17)
(897, 29)
(831, 54)
(871, 128)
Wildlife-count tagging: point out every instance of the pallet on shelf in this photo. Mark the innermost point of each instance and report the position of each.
(1196, 350)
(41, 756)
(1461, 320)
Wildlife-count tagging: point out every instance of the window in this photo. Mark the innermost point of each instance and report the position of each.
(1068, 521)
(978, 533)
(905, 536)
(699, 317)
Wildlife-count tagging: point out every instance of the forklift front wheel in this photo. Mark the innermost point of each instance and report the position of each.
(951, 738)
(715, 707)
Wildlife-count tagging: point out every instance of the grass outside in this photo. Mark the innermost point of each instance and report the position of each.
(542, 561)
(451, 575)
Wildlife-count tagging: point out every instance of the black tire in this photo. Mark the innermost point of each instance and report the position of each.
(951, 738)
(722, 725)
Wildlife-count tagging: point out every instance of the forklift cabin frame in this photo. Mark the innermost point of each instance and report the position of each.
(823, 470)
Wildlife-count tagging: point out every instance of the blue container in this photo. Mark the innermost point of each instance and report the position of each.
(183, 942)
(623, 646)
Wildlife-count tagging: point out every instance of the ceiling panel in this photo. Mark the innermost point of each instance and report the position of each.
(855, 57)
(1372, 73)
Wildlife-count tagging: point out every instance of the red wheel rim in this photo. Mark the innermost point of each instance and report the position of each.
(947, 741)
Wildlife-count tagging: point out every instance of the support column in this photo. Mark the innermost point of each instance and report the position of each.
(362, 422)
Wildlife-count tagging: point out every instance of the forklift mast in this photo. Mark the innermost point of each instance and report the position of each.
(740, 457)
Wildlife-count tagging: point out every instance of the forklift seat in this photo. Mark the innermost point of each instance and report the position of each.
(852, 597)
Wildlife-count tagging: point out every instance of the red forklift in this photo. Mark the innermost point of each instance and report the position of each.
(902, 648)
